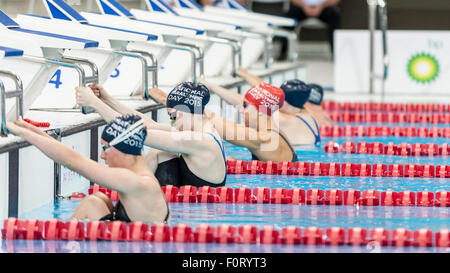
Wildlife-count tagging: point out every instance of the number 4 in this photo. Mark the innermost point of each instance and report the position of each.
(56, 79)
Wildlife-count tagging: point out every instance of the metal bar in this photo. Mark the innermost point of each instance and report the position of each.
(18, 94)
(94, 145)
(57, 172)
(292, 43)
(268, 45)
(183, 48)
(232, 43)
(372, 5)
(73, 130)
(13, 184)
(144, 69)
(382, 12)
(143, 62)
(3, 130)
(198, 60)
(93, 66)
(153, 68)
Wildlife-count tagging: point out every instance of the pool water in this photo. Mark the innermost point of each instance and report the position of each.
(278, 215)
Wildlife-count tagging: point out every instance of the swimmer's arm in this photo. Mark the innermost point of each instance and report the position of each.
(107, 113)
(88, 96)
(158, 95)
(248, 77)
(112, 178)
(235, 133)
(229, 96)
(185, 142)
(110, 108)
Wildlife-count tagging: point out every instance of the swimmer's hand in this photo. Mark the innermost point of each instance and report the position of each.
(30, 127)
(14, 129)
(99, 91)
(85, 96)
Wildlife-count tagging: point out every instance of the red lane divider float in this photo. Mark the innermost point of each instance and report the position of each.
(385, 107)
(15, 229)
(403, 149)
(37, 124)
(389, 117)
(351, 197)
(339, 169)
(376, 131)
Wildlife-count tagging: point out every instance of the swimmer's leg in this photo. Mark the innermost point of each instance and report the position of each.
(106, 199)
(156, 157)
(91, 207)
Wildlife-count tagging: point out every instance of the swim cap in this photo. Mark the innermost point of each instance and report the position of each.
(316, 96)
(192, 97)
(266, 97)
(126, 134)
(297, 92)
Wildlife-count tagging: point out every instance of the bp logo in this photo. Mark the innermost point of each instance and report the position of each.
(423, 68)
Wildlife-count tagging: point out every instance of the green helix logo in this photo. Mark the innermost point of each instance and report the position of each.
(423, 68)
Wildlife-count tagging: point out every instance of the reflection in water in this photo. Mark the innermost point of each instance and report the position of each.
(22, 246)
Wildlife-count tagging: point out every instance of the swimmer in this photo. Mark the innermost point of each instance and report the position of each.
(294, 121)
(190, 152)
(312, 106)
(140, 196)
(259, 134)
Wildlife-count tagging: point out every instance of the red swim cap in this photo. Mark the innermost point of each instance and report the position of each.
(266, 97)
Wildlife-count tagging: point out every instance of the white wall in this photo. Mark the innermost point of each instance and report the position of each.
(35, 179)
(70, 180)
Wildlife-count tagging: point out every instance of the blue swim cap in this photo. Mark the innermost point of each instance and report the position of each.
(296, 92)
(189, 98)
(126, 133)
(316, 96)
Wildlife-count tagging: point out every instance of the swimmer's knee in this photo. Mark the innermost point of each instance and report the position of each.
(94, 200)
(102, 196)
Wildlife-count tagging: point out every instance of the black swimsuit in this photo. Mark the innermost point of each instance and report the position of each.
(177, 173)
(120, 214)
(294, 154)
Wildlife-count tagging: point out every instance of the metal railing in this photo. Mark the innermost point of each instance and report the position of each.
(192, 50)
(234, 44)
(373, 6)
(17, 93)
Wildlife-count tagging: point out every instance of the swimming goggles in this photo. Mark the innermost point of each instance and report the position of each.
(173, 116)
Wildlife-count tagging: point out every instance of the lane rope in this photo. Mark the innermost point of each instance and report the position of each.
(389, 117)
(260, 195)
(377, 148)
(385, 107)
(383, 131)
(15, 229)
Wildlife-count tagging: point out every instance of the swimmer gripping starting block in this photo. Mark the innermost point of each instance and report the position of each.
(43, 54)
(216, 62)
(6, 52)
(263, 25)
